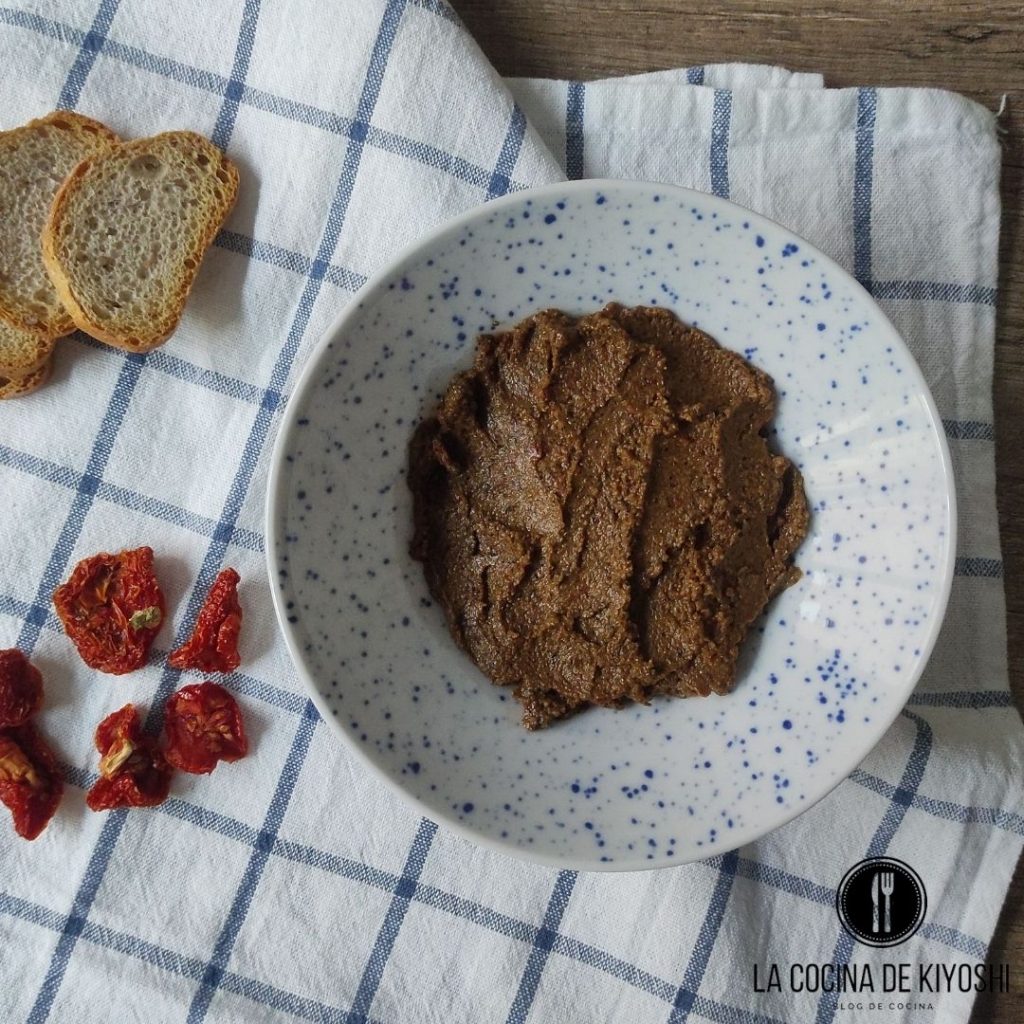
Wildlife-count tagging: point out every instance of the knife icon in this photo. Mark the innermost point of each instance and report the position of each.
(874, 904)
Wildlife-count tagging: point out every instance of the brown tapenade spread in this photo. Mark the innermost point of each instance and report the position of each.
(597, 511)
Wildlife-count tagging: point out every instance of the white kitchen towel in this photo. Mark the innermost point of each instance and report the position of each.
(293, 885)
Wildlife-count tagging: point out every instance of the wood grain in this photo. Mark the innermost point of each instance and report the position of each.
(973, 48)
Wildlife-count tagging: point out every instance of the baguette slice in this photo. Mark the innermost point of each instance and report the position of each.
(15, 387)
(34, 161)
(22, 352)
(128, 230)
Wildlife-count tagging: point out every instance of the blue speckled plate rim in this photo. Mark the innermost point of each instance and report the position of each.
(275, 501)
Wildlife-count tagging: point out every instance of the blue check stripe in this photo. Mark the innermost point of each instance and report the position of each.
(501, 178)
(125, 497)
(225, 125)
(994, 816)
(686, 995)
(933, 291)
(575, 103)
(286, 259)
(405, 889)
(955, 940)
(863, 181)
(974, 699)
(991, 568)
(88, 485)
(776, 878)
(968, 430)
(542, 944)
(721, 117)
(213, 973)
(695, 76)
(902, 797)
(904, 794)
(90, 45)
(162, 361)
(76, 921)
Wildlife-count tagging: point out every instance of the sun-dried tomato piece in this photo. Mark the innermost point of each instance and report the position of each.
(21, 688)
(30, 782)
(133, 771)
(204, 725)
(112, 607)
(213, 645)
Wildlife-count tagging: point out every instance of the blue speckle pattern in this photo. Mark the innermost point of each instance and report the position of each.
(822, 674)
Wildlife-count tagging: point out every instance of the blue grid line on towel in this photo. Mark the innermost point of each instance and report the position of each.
(973, 699)
(53, 473)
(955, 940)
(575, 104)
(947, 809)
(933, 291)
(695, 75)
(991, 568)
(213, 973)
(689, 989)
(863, 180)
(88, 485)
(718, 158)
(258, 99)
(501, 178)
(286, 259)
(383, 944)
(968, 430)
(90, 46)
(174, 366)
(902, 797)
(225, 125)
(131, 370)
(308, 1009)
(542, 943)
(513, 928)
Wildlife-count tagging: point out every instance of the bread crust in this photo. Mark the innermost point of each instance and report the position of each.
(165, 319)
(18, 386)
(98, 135)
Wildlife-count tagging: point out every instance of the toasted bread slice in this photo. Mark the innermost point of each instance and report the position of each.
(22, 352)
(34, 161)
(128, 230)
(15, 387)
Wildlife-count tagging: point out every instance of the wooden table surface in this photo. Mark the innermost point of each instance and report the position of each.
(975, 48)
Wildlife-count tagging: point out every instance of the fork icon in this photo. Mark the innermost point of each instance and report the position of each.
(887, 887)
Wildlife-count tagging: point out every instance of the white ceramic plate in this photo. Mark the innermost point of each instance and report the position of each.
(834, 658)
